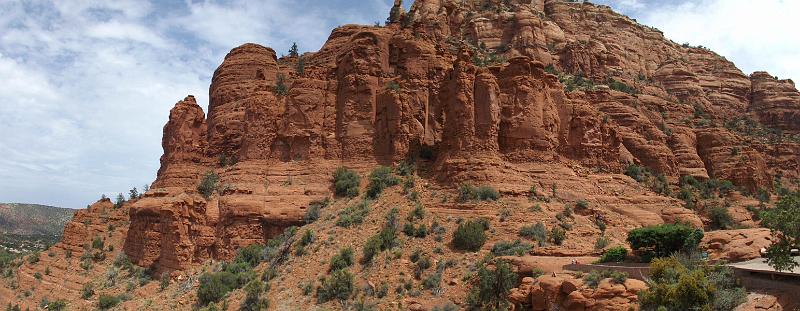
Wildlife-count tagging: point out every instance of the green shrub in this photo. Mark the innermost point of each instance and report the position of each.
(486, 193)
(342, 260)
(690, 284)
(516, 248)
(784, 222)
(339, 285)
(345, 182)
(57, 305)
(663, 240)
(87, 291)
(385, 239)
(469, 236)
(614, 254)
(490, 290)
(535, 232)
(253, 300)
(581, 205)
(353, 215)
(379, 179)
(97, 243)
(720, 218)
(601, 242)
(208, 184)
(280, 88)
(164, 281)
(314, 209)
(214, 286)
(558, 235)
(33, 258)
(107, 302)
(636, 172)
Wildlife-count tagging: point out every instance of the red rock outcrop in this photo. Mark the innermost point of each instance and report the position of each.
(569, 293)
(481, 82)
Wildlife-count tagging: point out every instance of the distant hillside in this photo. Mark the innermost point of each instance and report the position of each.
(33, 219)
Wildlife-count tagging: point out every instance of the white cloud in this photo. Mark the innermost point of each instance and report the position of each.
(88, 85)
(755, 35)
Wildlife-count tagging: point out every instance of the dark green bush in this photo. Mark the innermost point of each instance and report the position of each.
(87, 291)
(663, 240)
(516, 248)
(253, 300)
(339, 285)
(385, 239)
(314, 209)
(581, 205)
(208, 184)
(614, 254)
(379, 179)
(486, 193)
(469, 236)
(345, 182)
(536, 232)
(467, 192)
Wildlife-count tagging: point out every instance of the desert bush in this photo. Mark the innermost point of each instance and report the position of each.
(214, 286)
(468, 192)
(342, 260)
(87, 291)
(491, 287)
(601, 242)
(614, 254)
(663, 240)
(558, 235)
(516, 248)
(353, 215)
(208, 184)
(581, 205)
(280, 88)
(314, 209)
(97, 243)
(720, 218)
(339, 285)
(385, 239)
(379, 179)
(106, 302)
(164, 283)
(535, 232)
(469, 236)
(345, 182)
(253, 300)
(690, 284)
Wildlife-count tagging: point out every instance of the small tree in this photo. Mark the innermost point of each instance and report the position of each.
(120, 200)
(208, 185)
(614, 254)
(491, 287)
(300, 67)
(784, 223)
(133, 194)
(293, 51)
(280, 87)
(558, 235)
(164, 281)
(339, 285)
(380, 178)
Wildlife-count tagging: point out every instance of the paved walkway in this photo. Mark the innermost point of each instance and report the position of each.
(760, 265)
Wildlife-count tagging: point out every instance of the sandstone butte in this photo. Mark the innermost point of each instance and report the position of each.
(498, 92)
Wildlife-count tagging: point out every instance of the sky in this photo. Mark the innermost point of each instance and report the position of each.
(86, 86)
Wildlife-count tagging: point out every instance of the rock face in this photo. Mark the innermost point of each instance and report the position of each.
(568, 293)
(488, 85)
(736, 245)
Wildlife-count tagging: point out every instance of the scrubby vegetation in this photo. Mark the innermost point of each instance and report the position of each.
(593, 278)
(345, 182)
(536, 232)
(214, 286)
(663, 240)
(490, 288)
(656, 182)
(380, 179)
(384, 240)
(684, 282)
(515, 248)
(208, 184)
(353, 214)
(470, 235)
(468, 192)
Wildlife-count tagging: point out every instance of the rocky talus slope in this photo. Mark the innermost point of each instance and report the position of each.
(553, 94)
